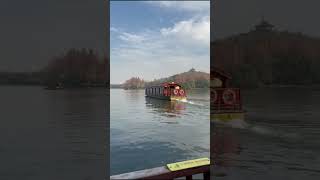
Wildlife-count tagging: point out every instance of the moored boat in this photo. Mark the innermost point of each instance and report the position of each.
(167, 91)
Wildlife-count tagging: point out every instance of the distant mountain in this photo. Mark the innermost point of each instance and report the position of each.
(266, 56)
(190, 79)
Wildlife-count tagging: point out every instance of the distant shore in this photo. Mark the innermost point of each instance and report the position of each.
(45, 86)
(280, 86)
(144, 88)
(289, 85)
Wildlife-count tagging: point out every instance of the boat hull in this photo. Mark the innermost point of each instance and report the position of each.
(178, 98)
(227, 116)
(169, 98)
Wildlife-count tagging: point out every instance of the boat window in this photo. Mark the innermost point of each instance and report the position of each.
(216, 82)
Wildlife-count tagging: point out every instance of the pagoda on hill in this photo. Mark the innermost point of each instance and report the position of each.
(264, 26)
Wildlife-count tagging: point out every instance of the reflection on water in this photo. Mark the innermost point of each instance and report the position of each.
(52, 134)
(148, 132)
(165, 108)
(279, 140)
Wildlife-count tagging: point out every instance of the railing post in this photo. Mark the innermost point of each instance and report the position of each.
(165, 174)
(206, 175)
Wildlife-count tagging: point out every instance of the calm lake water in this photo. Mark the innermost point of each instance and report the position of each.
(147, 133)
(52, 134)
(280, 139)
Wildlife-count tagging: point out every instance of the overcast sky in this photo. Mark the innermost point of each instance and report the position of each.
(234, 16)
(158, 39)
(32, 31)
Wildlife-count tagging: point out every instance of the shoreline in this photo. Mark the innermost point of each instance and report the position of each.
(290, 86)
(278, 86)
(144, 88)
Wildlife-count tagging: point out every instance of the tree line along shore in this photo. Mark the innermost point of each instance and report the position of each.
(191, 79)
(73, 68)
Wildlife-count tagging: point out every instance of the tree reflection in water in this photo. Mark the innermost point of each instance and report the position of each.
(165, 108)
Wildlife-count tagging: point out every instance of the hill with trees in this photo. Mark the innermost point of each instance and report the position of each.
(73, 68)
(189, 80)
(266, 56)
(77, 68)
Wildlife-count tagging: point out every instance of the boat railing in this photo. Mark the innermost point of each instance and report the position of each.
(164, 173)
(220, 102)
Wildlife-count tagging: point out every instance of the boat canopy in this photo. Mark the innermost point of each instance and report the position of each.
(217, 73)
(166, 84)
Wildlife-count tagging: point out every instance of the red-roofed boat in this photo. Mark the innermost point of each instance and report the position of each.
(167, 91)
(226, 103)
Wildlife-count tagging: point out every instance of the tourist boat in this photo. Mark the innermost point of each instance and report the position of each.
(167, 91)
(226, 103)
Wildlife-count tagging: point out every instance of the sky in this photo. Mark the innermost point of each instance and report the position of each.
(33, 31)
(156, 39)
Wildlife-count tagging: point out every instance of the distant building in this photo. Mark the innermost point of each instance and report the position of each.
(264, 26)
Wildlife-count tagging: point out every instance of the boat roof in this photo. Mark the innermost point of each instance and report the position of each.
(219, 73)
(165, 84)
